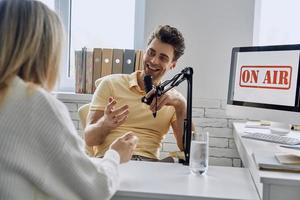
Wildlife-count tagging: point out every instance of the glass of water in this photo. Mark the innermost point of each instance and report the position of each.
(199, 153)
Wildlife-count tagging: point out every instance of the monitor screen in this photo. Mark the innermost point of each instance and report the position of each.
(264, 83)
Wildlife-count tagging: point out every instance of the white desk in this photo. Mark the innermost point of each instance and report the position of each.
(271, 185)
(154, 180)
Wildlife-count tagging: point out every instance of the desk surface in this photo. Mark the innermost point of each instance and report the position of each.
(247, 146)
(155, 180)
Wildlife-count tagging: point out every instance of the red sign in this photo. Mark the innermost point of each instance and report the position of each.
(270, 77)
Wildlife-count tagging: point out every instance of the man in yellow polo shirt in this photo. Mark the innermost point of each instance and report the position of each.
(116, 107)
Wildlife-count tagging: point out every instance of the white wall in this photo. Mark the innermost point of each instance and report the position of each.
(211, 28)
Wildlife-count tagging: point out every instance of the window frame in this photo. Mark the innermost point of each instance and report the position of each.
(63, 8)
(66, 82)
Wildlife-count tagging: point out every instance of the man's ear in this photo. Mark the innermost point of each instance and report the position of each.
(173, 64)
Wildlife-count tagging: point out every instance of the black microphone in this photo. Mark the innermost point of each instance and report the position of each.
(148, 87)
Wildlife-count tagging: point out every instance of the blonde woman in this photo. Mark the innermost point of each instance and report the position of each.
(41, 155)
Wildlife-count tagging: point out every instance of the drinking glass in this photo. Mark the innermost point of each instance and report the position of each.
(199, 153)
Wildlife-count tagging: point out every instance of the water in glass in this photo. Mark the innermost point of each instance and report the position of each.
(199, 154)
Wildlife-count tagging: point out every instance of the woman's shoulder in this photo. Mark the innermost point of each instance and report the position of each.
(54, 105)
(37, 109)
(37, 99)
(56, 112)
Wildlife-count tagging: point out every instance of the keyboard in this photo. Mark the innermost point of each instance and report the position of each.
(272, 138)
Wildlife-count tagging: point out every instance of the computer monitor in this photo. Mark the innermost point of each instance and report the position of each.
(264, 83)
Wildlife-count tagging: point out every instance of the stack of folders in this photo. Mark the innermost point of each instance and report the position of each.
(93, 64)
(280, 161)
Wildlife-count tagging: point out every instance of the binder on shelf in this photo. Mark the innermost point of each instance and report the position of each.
(137, 60)
(128, 62)
(83, 71)
(107, 55)
(97, 59)
(117, 61)
(141, 60)
(78, 71)
(89, 72)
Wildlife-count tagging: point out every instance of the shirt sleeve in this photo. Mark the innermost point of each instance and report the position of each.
(70, 173)
(73, 175)
(101, 95)
(173, 119)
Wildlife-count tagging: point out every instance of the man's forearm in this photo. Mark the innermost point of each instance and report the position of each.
(95, 134)
(180, 111)
(181, 116)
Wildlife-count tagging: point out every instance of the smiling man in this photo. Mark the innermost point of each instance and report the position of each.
(116, 107)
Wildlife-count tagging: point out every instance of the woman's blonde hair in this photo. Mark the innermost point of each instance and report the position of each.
(30, 43)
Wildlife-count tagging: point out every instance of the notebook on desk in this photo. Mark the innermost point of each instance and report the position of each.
(268, 161)
(257, 124)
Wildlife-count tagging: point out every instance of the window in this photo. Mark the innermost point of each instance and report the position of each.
(101, 23)
(49, 3)
(94, 23)
(276, 22)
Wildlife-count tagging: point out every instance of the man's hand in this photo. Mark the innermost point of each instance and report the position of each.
(125, 146)
(170, 98)
(114, 117)
(100, 123)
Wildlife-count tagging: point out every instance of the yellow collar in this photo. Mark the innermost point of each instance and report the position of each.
(133, 82)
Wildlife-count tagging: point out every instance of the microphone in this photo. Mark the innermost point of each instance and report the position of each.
(148, 87)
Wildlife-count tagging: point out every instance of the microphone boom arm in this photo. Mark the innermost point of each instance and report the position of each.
(185, 74)
(173, 83)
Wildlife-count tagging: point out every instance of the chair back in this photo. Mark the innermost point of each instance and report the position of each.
(83, 112)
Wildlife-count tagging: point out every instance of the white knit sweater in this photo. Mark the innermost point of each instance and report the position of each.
(41, 155)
